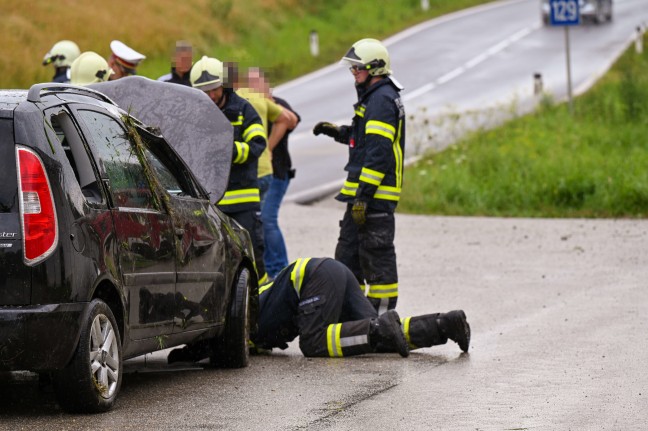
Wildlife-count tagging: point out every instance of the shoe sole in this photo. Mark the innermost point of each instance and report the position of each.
(462, 328)
(399, 339)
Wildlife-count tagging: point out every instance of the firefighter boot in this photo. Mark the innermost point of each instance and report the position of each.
(454, 326)
(386, 330)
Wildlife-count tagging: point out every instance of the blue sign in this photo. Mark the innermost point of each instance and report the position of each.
(564, 12)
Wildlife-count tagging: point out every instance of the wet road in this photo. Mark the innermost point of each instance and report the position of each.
(558, 309)
(479, 63)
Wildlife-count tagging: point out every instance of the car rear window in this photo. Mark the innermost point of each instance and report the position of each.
(8, 181)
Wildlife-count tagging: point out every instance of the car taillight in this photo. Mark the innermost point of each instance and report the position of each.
(37, 211)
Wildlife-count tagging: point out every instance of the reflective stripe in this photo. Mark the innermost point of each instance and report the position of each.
(253, 131)
(265, 287)
(242, 152)
(238, 122)
(372, 177)
(333, 340)
(379, 128)
(388, 193)
(360, 110)
(263, 279)
(356, 340)
(398, 156)
(349, 188)
(405, 323)
(297, 274)
(383, 290)
(240, 196)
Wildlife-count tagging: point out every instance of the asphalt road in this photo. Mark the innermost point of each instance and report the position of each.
(478, 63)
(559, 314)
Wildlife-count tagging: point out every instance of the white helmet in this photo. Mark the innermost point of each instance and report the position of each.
(368, 54)
(62, 54)
(89, 68)
(207, 74)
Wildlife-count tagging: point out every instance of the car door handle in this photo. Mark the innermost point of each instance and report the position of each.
(179, 231)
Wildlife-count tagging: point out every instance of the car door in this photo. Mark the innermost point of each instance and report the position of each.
(143, 229)
(201, 295)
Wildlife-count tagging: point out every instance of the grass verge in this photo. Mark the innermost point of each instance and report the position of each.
(549, 163)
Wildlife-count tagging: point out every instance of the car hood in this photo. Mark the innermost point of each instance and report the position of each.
(188, 119)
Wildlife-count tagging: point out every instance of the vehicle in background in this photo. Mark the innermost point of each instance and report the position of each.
(596, 11)
(110, 247)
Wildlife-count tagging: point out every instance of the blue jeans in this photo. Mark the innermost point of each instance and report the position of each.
(275, 255)
(264, 185)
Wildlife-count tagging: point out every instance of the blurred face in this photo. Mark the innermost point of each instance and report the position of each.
(119, 71)
(182, 61)
(257, 82)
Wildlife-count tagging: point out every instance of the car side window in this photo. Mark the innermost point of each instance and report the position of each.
(167, 180)
(128, 182)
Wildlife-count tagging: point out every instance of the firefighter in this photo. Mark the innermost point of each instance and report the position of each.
(241, 200)
(62, 54)
(376, 142)
(89, 68)
(320, 300)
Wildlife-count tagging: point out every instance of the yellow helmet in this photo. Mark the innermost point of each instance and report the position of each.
(89, 68)
(62, 54)
(207, 74)
(368, 54)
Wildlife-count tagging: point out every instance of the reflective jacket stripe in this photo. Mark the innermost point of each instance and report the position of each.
(372, 177)
(360, 110)
(297, 274)
(398, 156)
(242, 152)
(265, 287)
(240, 196)
(333, 340)
(239, 121)
(383, 290)
(387, 193)
(254, 130)
(379, 128)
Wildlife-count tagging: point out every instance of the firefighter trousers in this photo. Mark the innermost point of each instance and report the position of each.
(334, 316)
(368, 251)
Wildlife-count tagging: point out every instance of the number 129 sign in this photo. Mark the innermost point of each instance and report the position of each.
(564, 12)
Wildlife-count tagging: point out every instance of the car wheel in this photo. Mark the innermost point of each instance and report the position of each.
(91, 381)
(230, 350)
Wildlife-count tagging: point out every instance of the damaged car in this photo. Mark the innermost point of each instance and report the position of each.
(110, 244)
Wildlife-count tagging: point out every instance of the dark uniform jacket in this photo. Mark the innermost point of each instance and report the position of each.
(279, 304)
(376, 140)
(61, 75)
(175, 78)
(249, 142)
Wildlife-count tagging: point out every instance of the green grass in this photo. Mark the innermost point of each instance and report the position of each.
(549, 163)
(273, 34)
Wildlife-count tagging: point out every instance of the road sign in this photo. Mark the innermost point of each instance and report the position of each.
(564, 12)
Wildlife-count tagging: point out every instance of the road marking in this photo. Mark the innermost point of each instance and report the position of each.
(402, 35)
(493, 50)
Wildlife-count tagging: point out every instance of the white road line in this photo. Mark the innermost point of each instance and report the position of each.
(403, 35)
(493, 50)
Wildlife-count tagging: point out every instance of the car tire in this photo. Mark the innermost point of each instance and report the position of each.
(91, 381)
(230, 350)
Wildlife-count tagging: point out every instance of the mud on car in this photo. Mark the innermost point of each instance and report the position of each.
(109, 247)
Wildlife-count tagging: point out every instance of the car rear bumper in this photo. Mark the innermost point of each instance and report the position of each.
(39, 338)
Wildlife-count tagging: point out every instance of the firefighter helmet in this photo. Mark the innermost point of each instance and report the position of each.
(62, 54)
(207, 74)
(89, 68)
(370, 55)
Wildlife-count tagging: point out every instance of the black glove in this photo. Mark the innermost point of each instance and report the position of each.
(359, 212)
(329, 129)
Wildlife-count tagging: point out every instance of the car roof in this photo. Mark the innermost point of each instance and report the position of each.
(9, 99)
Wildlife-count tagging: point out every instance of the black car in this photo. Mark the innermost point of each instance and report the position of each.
(109, 247)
